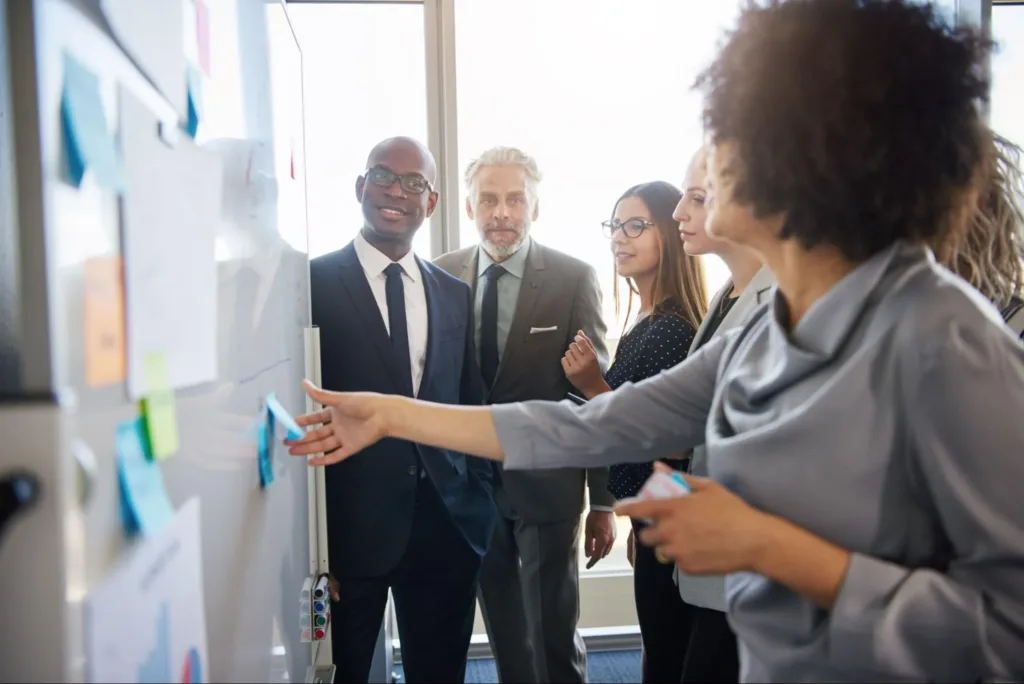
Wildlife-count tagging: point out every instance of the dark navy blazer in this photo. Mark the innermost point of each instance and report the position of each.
(371, 496)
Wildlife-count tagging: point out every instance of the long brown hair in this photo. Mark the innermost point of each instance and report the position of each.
(988, 255)
(680, 276)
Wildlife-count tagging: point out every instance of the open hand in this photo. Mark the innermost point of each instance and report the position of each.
(582, 367)
(710, 531)
(349, 422)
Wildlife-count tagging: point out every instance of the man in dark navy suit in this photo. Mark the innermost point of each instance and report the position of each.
(401, 516)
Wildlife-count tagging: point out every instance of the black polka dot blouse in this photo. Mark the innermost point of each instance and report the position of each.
(656, 343)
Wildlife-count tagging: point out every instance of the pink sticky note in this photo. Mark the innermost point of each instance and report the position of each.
(203, 35)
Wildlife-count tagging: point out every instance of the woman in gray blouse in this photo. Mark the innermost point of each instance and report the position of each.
(865, 428)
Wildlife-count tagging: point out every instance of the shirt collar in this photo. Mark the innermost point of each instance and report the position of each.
(374, 261)
(515, 264)
(829, 322)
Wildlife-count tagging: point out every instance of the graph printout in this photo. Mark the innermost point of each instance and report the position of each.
(146, 622)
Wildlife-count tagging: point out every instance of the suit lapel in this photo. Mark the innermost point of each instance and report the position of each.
(431, 289)
(716, 301)
(751, 296)
(530, 292)
(469, 269)
(353, 278)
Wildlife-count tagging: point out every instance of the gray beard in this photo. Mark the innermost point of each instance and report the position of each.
(502, 252)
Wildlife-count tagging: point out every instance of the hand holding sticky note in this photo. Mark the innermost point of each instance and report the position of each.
(158, 408)
(281, 414)
(265, 442)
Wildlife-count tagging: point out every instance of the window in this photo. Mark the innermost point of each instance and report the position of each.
(364, 81)
(601, 98)
(1007, 112)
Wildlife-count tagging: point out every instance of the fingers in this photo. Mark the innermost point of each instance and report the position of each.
(317, 442)
(566, 366)
(315, 418)
(318, 434)
(586, 345)
(647, 509)
(698, 483)
(335, 588)
(652, 535)
(318, 395)
(330, 458)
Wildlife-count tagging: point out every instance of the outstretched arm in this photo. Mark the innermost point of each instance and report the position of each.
(643, 422)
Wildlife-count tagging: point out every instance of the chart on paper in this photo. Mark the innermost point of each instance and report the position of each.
(146, 622)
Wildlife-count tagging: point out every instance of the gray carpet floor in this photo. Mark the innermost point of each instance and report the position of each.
(603, 667)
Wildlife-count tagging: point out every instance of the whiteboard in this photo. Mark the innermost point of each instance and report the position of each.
(258, 545)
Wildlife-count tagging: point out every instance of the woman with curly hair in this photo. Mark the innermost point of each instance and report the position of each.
(990, 254)
(863, 427)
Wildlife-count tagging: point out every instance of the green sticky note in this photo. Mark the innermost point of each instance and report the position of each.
(158, 409)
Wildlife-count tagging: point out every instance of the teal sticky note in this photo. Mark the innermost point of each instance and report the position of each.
(281, 414)
(145, 507)
(194, 83)
(264, 450)
(89, 145)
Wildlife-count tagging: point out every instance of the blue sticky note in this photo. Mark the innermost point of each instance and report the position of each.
(145, 507)
(88, 142)
(281, 414)
(194, 83)
(264, 450)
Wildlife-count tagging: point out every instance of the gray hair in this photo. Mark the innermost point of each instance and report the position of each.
(505, 156)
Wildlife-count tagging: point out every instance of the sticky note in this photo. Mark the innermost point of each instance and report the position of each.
(88, 142)
(203, 36)
(145, 507)
(158, 408)
(194, 82)
(264, 450)
(281, 414)
(104, 322)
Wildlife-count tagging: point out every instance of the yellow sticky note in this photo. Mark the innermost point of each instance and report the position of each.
(158, 409)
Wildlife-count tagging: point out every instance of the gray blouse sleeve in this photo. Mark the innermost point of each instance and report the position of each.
(640, 422)
(964, 621)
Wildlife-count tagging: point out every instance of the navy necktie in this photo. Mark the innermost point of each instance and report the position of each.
(489, 324)
(398, 325)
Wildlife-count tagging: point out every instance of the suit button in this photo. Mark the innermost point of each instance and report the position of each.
(412, 470)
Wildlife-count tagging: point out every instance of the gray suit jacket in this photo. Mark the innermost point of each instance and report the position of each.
(557, 290)
(709, 591)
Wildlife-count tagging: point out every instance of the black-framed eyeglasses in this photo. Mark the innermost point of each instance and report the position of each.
(631, 227)
(385, 178)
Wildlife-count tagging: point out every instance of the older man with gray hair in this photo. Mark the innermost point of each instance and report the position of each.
(530, 301)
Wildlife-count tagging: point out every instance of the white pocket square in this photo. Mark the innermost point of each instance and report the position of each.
(534, 331)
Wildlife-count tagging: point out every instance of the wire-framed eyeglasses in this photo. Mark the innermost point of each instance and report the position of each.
(632, 228)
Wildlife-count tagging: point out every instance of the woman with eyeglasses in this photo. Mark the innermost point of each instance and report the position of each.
(667, 287)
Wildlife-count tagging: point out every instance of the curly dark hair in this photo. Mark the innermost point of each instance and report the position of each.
(856, 119)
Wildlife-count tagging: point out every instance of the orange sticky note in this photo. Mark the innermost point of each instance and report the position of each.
(104, 322)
